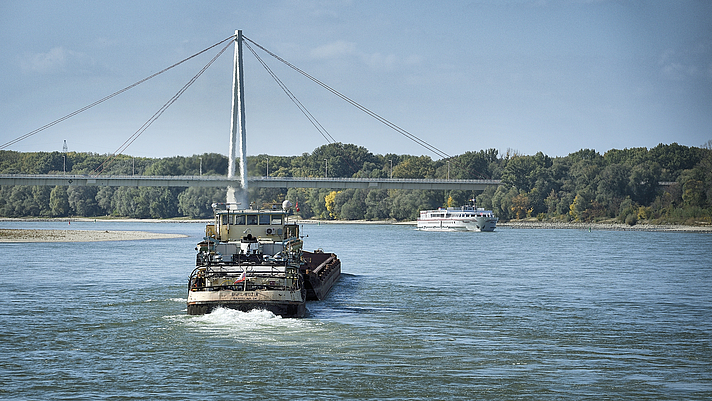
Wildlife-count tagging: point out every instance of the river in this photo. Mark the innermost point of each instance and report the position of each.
(514, 314)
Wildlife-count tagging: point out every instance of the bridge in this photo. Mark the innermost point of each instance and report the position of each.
(254, 182)
(238, 148)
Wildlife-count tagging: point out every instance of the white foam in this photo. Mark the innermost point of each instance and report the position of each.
(256, 325)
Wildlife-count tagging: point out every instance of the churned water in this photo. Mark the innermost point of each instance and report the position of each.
(514, 314)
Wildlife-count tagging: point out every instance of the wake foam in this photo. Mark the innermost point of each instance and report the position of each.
(253, 327)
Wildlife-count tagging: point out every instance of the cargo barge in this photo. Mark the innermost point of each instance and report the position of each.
(253, 259)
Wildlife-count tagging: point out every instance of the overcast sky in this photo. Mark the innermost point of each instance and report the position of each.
(549, 76)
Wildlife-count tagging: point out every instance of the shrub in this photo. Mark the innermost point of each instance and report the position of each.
(631, 220)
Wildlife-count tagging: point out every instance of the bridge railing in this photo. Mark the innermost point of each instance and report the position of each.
(369, 179)
(253, 182)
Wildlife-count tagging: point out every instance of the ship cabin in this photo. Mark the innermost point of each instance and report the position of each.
(455, 212)
(265, 225)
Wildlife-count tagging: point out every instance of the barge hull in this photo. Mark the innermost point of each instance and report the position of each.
(318, 287)
(320, 272)
(280, 309)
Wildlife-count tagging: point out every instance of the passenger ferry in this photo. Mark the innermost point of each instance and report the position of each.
(465, 218)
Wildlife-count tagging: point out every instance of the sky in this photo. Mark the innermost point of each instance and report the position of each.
(525, 76)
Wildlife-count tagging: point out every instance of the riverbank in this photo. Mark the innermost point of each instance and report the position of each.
(518, 224)
(527, 224)
(27, 235)
(368, 222)
(604, 226)
(69, 220)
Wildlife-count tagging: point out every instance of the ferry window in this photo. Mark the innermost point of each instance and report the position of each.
(264, 219)
(240, 219)
(277, 220)
(251, 219)
(223, 219)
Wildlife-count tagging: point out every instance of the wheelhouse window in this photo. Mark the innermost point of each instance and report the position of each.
(264, 219)
(240, 219)
(277, 220)
(251, 219)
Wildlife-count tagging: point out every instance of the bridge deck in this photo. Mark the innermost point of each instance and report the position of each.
(253, 182)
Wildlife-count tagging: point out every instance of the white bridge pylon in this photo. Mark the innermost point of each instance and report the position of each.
(237, 130)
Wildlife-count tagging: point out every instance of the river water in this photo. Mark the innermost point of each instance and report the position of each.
(514, 314)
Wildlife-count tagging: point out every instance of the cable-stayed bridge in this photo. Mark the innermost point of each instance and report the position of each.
(237, 154)
(254, 182)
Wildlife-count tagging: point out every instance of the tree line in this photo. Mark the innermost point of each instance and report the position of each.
(668, 183)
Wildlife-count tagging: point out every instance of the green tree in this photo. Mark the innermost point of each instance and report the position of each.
(675, 158)
(103, 200)
(350, 204)
(644, 182)
(484, 199)
(82, 201)
(414, 167)
(59, 202)
(578, 208)
(128, 202)
(502, 201)
(520, 206)
(299, 197)
(40, 195)
(377, 204)
(195, 202)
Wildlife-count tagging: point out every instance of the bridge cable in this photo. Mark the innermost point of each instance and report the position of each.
(74, 113)
(323, 131)
(376, 116)
(389, 124)
(330, 139)
(157, 114)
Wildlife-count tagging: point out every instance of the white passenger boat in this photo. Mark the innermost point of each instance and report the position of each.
(465, 218)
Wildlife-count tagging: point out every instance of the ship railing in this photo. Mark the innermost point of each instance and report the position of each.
(201, 276)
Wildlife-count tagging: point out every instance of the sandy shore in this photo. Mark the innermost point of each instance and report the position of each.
(371, 222)
(546, 225)
(24, 235)
(605, 226)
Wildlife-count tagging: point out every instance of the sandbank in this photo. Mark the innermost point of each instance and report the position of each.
(31, 235)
